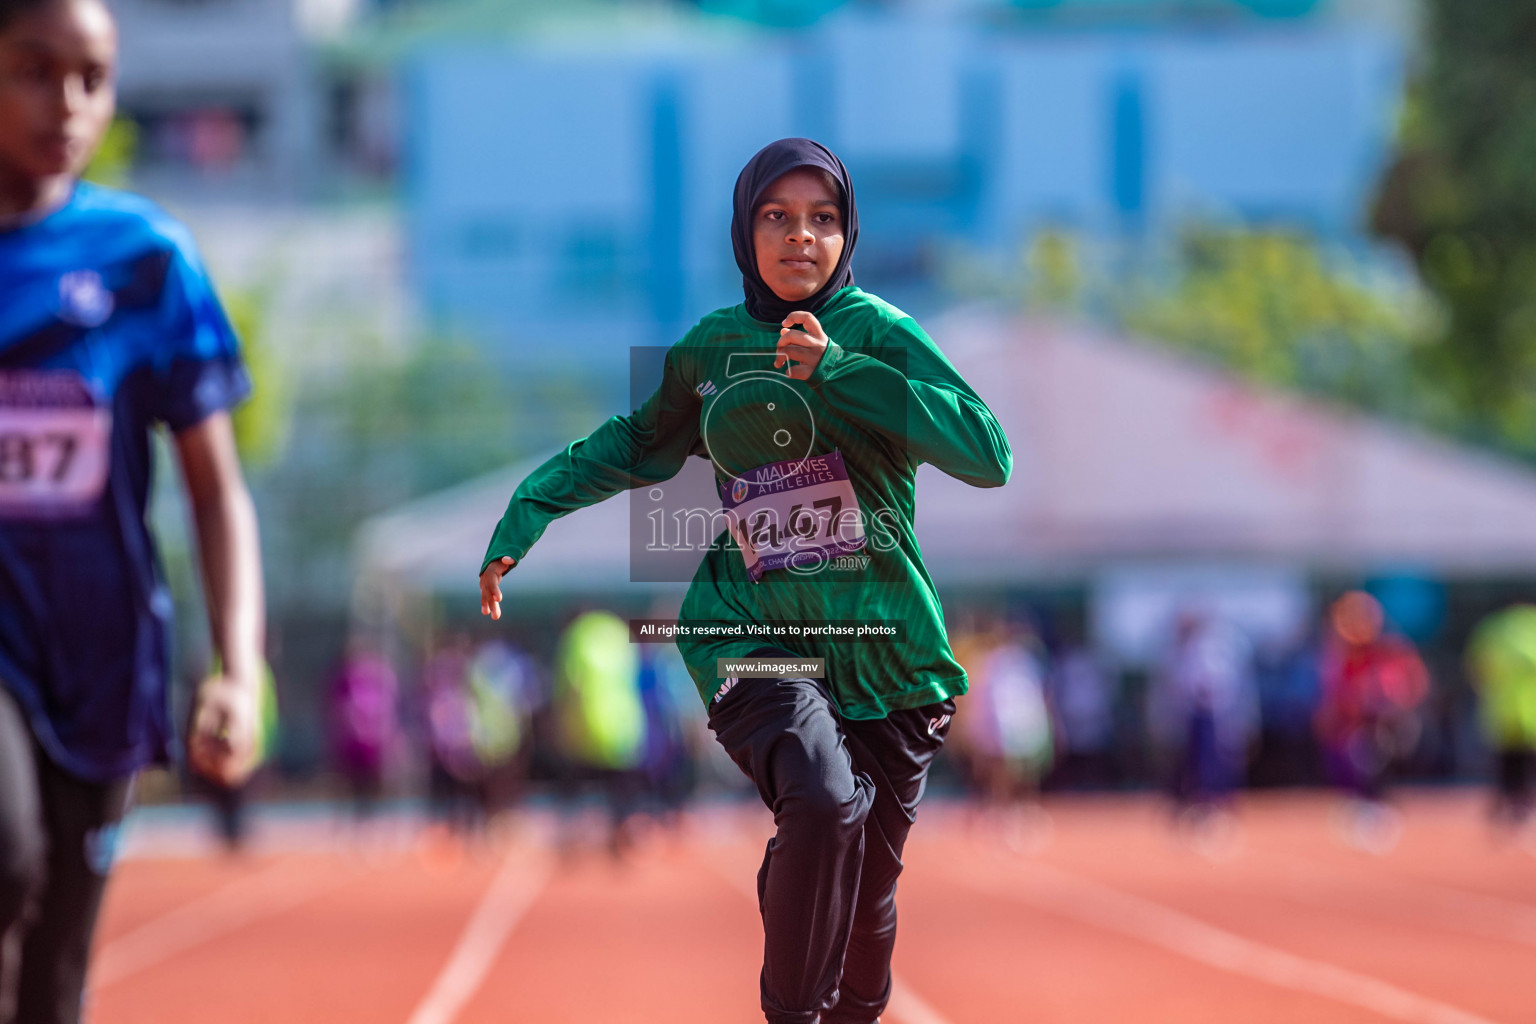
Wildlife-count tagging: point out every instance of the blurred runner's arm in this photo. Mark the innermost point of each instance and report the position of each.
(926, 407)
(646, 447)
(222, 738)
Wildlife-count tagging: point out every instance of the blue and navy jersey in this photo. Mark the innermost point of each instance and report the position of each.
(108, 326)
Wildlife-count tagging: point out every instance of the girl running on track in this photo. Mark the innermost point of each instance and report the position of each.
(108, 326)
(816, 402)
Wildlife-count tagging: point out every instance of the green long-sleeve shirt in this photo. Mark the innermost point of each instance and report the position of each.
(882, 395)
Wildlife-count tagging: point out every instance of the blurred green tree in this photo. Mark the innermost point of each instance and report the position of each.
(387, 424)
(1461, 197)
(114, 157)
(777, 13)
(262, 421)
(1281, 308)
(1275, 305)
(1051, 267)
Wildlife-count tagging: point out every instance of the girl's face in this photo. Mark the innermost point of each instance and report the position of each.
(57, 94)
(797, 234)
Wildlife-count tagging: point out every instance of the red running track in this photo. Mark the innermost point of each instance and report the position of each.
(1106, 915)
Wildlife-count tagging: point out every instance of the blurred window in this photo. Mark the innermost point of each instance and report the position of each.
(590, 264)
(489, 238)
(361, 125)
(212, 138)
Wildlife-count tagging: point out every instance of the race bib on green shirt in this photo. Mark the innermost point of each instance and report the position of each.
(797, 513)
(55, 437)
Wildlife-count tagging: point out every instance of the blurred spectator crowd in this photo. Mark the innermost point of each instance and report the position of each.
(1350, 706)
(606, 723)
(614, 730)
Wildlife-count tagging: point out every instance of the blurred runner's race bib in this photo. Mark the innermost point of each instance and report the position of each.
(797, 513)
(55, 437)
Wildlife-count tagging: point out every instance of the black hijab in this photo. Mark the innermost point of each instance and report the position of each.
(770, 164)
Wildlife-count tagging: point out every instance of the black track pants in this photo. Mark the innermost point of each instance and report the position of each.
(844, 794)
(57, 837)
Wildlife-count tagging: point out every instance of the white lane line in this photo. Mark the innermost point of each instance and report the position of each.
(906, 1005)
(227, 909)
(1069, 895)
(1475, 913)
(508, 897)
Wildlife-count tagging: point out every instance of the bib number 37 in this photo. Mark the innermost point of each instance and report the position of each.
(54, 445)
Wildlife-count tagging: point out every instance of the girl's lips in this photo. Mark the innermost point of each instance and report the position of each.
(55, 150)
(57, 140)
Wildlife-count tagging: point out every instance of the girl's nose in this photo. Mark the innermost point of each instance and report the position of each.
(71, 95)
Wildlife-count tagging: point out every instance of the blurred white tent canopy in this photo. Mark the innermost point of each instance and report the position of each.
(437, 542)
(1123, 454)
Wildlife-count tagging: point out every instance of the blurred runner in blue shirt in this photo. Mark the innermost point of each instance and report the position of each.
(108, 327)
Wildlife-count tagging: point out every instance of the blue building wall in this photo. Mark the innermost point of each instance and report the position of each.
(582, 196)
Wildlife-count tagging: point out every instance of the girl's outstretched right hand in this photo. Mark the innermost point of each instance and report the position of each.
(490, 586)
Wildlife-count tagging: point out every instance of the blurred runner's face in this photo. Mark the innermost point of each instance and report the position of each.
(797, 234)
(56, 88)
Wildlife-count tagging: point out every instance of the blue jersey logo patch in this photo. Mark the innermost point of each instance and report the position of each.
(84, 299)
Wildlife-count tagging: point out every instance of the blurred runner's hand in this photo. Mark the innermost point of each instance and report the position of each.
(222, 741)
(490, 586)
(804, 347)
